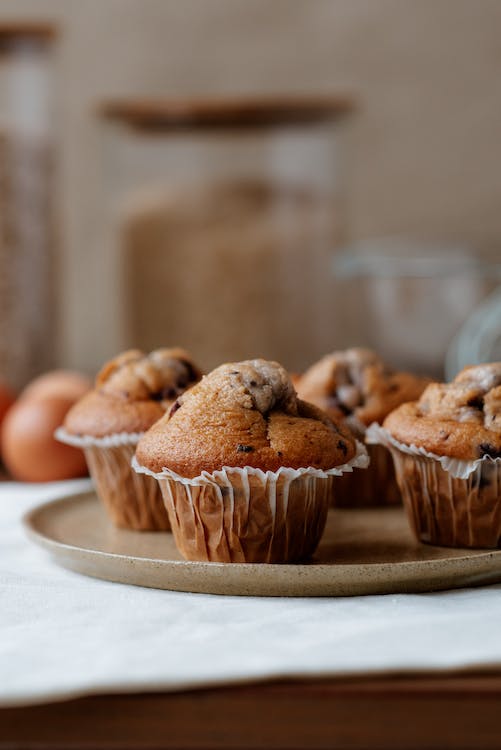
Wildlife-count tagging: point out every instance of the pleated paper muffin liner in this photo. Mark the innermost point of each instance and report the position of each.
(376, 487)
(131, 501)
(449, 502)
(245, 515)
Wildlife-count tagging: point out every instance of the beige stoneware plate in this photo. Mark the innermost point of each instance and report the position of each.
(362, 552)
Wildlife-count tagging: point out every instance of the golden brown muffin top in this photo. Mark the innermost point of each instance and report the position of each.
(244, 414)
(461, 419)
(132, 391)
(356, 382)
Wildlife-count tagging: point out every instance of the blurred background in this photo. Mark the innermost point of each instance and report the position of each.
(246, 178)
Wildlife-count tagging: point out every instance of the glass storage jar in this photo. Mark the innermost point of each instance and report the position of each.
(26, 226)
(429, 307)
(220, 217)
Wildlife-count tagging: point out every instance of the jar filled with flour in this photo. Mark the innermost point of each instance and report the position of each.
(218, 221)
(26, 199)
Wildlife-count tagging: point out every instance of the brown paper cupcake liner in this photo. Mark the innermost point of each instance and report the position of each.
(132, 501)
(376, 487)
(449, 502)
(247, 515)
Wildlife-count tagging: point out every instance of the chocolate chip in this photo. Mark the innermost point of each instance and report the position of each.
(477, 402)
(342, 447)
(279, 453)
(245, 448)
(173, 409)
(253, 383)
(486, 449)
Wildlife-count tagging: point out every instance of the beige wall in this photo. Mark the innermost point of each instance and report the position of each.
(425, 149)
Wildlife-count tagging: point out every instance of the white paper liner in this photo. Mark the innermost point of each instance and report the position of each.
(456, 467)
(89, 441)
(249, 515)
(359, 461)
(131, 501)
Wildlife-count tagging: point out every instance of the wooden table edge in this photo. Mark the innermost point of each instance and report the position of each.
(424, 711)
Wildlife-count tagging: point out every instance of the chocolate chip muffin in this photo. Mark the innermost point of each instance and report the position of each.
(246, 467)
(358, 386)
(447, 453)
(131, 393)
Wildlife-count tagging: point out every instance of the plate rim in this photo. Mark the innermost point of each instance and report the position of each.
(50, 544)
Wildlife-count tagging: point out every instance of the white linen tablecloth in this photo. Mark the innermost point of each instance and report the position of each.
(64, 635)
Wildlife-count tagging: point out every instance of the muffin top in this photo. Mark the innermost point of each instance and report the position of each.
(357, 383)
(461, 419)
(132, 391)
(244, 414)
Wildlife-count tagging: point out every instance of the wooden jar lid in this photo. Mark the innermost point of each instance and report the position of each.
(15, 32)
(227, 112)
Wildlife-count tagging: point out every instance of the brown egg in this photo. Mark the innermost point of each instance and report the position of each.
(29, 450)
(64, 383)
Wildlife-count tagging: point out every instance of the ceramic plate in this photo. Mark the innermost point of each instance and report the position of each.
(362, 552)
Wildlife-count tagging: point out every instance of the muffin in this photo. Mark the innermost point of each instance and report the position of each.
(447, 453)
(245, 467)
(358, 386)
(131, 393)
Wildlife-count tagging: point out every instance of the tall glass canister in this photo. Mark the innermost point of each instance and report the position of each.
(220, 218)
(26, 220)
